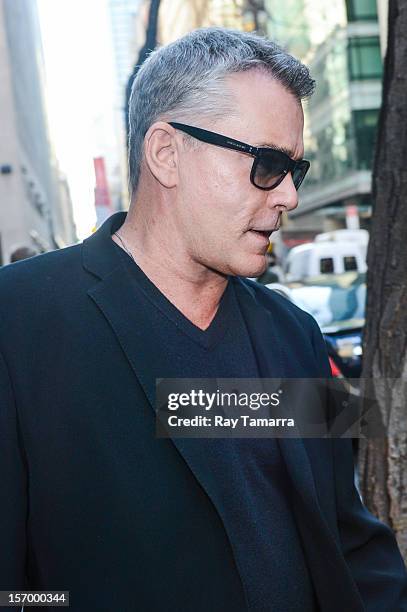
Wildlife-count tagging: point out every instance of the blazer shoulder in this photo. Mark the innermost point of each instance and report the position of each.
(35, 271)
(37, 292)
(33, 285)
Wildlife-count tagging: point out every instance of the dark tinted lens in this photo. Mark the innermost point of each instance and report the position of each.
(270, 169)
(299, 173)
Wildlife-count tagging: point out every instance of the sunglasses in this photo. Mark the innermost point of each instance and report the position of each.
(270, 166)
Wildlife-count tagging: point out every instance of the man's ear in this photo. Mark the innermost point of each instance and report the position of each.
(161, 153)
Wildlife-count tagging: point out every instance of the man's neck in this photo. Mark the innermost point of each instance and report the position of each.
(191, 288)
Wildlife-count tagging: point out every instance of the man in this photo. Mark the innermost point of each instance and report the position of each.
(22, 252)
(93, 502)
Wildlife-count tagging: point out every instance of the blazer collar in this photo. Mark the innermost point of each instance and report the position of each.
(98, 251)
(113, 295)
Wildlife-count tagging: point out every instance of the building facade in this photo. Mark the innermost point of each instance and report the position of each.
(340, 42)
(64, 228)
(178, 17)
(30, 185)
(127, 21)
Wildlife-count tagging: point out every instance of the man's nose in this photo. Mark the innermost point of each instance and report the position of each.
(286, 193)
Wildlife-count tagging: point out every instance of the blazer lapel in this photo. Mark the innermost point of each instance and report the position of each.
(320, 546)
(114, 297)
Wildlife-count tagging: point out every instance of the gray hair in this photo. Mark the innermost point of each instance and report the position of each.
(185, 80)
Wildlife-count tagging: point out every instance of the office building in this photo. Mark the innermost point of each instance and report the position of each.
(127, 20)
(30, 183)
(178, 17)
(340, 43)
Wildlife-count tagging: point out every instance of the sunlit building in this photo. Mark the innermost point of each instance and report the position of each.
(64, 228)
(340, 43)
(178, 17)
(31, 192)
(127, 32)
(127, 21)
(383, 15)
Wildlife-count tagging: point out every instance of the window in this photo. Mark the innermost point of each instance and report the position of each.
(349, 263)
(365, 128)
(326, 265)
(364, 58)
(361, 10)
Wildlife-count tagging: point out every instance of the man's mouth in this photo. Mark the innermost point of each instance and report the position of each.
(265, 233)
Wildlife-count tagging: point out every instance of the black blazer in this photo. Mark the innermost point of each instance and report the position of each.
(92, 502)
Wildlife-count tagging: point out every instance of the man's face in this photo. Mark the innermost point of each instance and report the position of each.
(220, 209)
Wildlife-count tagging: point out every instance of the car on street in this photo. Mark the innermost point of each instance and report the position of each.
(337, 302)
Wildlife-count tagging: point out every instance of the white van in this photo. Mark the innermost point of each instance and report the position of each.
(360, 236)
(325, 257)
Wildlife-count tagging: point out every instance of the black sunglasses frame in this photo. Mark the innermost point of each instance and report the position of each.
(257, 152)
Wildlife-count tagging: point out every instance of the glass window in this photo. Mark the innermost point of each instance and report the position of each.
(364, 58)
(365, 127)
(326, 265)
(361, 10)
(349, 263)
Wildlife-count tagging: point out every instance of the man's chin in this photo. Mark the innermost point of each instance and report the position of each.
(251, 269)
